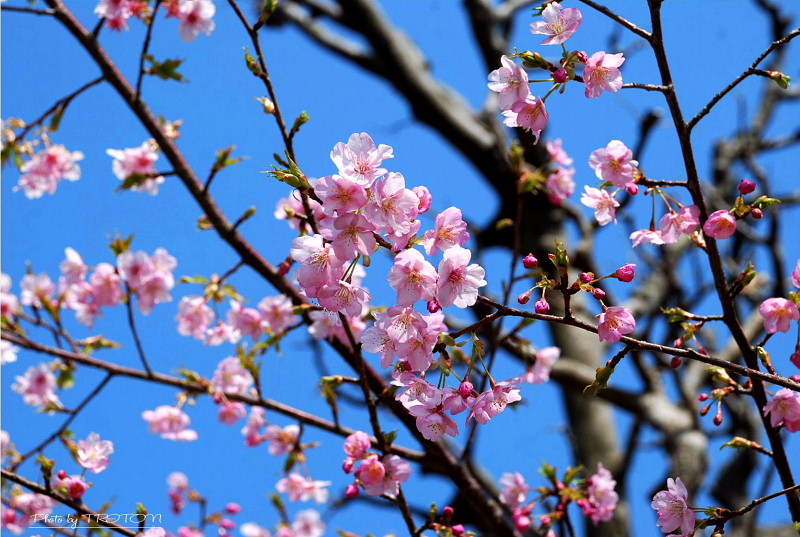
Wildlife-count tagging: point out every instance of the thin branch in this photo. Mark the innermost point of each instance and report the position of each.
(145, 48)
(135, 332)
(749, 71)
(641, 32)
(32, 11)
(60, 104)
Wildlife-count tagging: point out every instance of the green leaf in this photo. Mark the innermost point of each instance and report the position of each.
(764, 201)
(166, 70)
(55, 123)
(120, 245)
(301, 120)
(602, 376)
(224, 159)
(252, 64)
(267, 10)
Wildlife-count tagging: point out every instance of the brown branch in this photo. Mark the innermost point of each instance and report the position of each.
(641, 32)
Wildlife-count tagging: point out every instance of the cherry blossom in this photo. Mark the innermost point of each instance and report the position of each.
(94, 453)
(392, 206)
(278, 313)
(560, 185)
(559, 24)
(246, 321)
(231, 377)
(515, 489)
(231, 412)
(8, 352)
(47, 168)
(778, 314)
(795, 276)
(602, 74)
(396, 471)
(602, 501)
(356, 445)
(38, 386)
(684, 222)
(720, 224)
(614, 163)
(281, 440)
(458, 282)
(491, 403)
(308, 523)
(359, 159)
(138, 161)
(194, 316)
(252, 430)
(320, 263)
(344, 297)
(672, 507)
(431, 421)
(116, 12)
(350, 234)
(530, 114)
(647, 236)
(37, 290)
(450, 230)
(340, 194)
(784, 408)
(8, 300)
(171, 423)
(615, 322)
(196, 17)
(510, 81)
(150, 277)
(412, 277)
(545, 359)
(303, 489)
(557, 152)
(603, 203)
(71, 485)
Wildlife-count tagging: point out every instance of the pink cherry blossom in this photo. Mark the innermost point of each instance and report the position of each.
(246, 321)
(371, 473)
(344, 297)
(557, 152)
(615, 322)
(614, 163)
(545, 359)
(117, 12)
(357, 444)
(231, 377)
(37, 290)
(515, 489)
(71, 485)
(194, 316)
(603, 203)
(377, 341)
(31, 504)
(73, 269)
(251, 529)
(417, 350)
(278, 313)
(231, 412)
(672, 507)
(720, 225)
(458, 282)
(795, 276)
(602, 501)
(602, 74)
(106, 285)
(94, 453)
(171, 423)
(196, 17)
(413, 277)
(359, 159)
(340, 194)
(560, 185)
(327, 325)
(320, 263)
(47, 169)
(252, 430)
(138, 161)
(350, 234)
(281, 440)
(784, 408)
(530, 114)
(8, 300)
(491, 403)
(396, 471)
(559, 24)
(308, 523)
(684, 222)
(510, 81)
(392, 206)
(303, 489)
(647, 236)
(38, 386)
(8, 352)
(431, 421)
(778, 314)
(149, 277)
(450, 230)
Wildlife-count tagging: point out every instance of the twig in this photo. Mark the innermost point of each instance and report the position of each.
(641, 32)
(32, 11)
(60, 104)
(145, 48)
(134, 331)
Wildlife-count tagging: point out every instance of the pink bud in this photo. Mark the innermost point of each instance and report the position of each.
(747, 186)
(676, 362)
(795, 378)
(796, 358)
(587, 277)
(560, 75)
(458, 530)
(704, 411)
(227, 523)
(582, 56)
(718, 418)
(720, 224)
(448, 512)
(465, 390)
(233, 508)
(62, 474)
(285, 267)
(352, 491)
(632, 188)
(348, 466)
(434, 306)
(757, 213)
(703, 397)
(598, 293)
(425, 198)
(530, 262)
(76, 488)
(542, 306)
(525, 297)
(626, 273)
(523, 523)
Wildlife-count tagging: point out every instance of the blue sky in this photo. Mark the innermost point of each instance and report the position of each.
(218, 106)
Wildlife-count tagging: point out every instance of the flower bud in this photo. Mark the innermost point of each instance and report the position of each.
(703, 397)
(465, 390)
(530, 262)
(587, 277)
(718, 418)
(227, 523)
(285, 267)
(233, 508)
(626, 273)
(676, 362)
(458, 530)
(560, 75)
(598, 293)
(632, 188)
(525, 297)
(542, 306)
(434, 306)
(348, 465)
(795, 359)
(757, 213)
(352, 491)
(747, 186)
(62, 474)
(448, 513)
(582, 56)
(76, 488)
(425, 198)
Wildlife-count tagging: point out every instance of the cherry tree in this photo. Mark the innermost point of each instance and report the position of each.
(384, 345)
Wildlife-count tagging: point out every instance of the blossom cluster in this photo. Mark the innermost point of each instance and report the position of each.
(137, 165)
(46, 169)
(376, 474)
(196, 16)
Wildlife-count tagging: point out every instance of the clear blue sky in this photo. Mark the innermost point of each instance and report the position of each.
(709, 43)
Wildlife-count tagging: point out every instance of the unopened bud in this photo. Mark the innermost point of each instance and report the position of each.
(582, 56)
(448, 513)
(530, 262)
(542, 306)
(747, 186)
(757, 213)
(795, 359)
(718, 418)
(587, 277)
(233, 508)
(434, 306)
(227, 523)
(458, 530)
(626, 273)
(703, 397)
(352, 491)
(632, 189)
(525, 297)
(465, 390)
(285, 267)
(62, 474)
(425, 198)
(560, 75)
(598, 293)
(676, 362)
